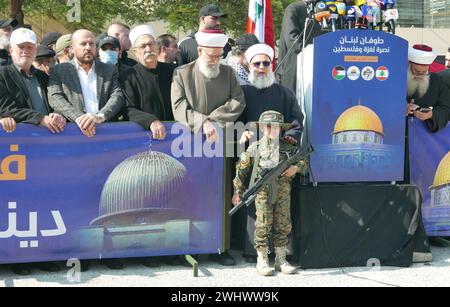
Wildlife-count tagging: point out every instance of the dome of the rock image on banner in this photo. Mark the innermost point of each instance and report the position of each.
(148, 188)
(358, 125)
(357, 142)
(440, 191)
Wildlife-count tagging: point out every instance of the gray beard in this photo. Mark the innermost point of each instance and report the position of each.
(4, 42)
(210, 72)
(262, 82)
(417, 86)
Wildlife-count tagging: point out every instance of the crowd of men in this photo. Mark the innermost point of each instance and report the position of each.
(202, 81)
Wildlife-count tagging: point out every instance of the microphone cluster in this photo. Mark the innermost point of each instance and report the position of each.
(354, 14)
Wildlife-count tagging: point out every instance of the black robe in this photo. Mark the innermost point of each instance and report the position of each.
(445, 74)
(275, 98)
(144, 102)
(293, 26)
(438, 97)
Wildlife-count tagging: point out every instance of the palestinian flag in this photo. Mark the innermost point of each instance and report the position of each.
(382, 73)
(260, 21)
(339, 73)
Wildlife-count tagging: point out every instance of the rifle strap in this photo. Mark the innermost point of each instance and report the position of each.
(255, 167)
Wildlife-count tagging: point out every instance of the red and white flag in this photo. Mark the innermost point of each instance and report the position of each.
(260, 21)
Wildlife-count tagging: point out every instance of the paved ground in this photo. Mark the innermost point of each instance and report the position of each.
(436, 273)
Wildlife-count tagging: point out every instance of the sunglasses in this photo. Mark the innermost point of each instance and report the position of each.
(265, 64)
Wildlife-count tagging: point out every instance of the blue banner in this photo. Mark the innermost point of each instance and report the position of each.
(430, 171)
(359, 107)
(116, 195)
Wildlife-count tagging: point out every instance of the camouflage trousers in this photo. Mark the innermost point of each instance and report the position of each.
(273, 221)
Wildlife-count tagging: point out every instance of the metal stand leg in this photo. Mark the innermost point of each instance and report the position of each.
(194, 264)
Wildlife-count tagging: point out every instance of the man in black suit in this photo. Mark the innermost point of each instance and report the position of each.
(23, 99)
(292, 28)
(23, 89)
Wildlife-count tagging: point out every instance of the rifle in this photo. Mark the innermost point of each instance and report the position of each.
(269, 177)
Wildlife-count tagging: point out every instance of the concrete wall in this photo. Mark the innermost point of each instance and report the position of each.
(439, 39)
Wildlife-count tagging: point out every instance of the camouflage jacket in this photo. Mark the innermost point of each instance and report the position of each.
(271, 153)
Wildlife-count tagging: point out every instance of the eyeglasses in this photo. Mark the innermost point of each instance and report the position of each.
(265, 64)
(214, 56)
(144, 46)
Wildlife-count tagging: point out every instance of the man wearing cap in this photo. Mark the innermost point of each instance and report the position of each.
(206, 94)
(273, 205)
(144, 101)
(109, 52)
(86, 91)
(210, 16)
(62, 49)
(428, 96)
(45, 59)
(236, 58)
(49, 40)
(6, 28)
(122, 33)
(23, 89)
(23, 98)
(262, 95)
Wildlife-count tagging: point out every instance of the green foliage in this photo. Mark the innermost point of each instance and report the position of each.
(180, 15)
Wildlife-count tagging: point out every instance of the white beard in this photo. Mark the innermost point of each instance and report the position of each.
(419, 86)
(262, 82)
(4, 42)
(210, 72)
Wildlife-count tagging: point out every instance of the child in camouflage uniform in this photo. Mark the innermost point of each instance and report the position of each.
(273, 206)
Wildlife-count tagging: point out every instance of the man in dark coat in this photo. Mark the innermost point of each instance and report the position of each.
(6, 28)
(293, 27)
(144, 102)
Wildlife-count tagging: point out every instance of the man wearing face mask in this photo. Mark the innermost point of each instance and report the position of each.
(109, 52)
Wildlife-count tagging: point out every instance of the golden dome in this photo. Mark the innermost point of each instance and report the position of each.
(359, 118)
(443, 172)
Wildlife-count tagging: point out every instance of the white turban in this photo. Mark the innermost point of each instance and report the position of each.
(211, 39)
(140, 31)
(422, 55)
(259, 49)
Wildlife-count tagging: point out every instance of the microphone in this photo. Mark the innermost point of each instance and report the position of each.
(367, 16)
(342, 11)
(334, 16)
(351, 17)
(358, 16)
(322, 14)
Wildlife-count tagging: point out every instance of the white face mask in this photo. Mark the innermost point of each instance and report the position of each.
(109, 56)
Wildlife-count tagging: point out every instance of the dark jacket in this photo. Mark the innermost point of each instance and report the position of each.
(15, 100)
(293, 26)
(5, 58)
(438, 97)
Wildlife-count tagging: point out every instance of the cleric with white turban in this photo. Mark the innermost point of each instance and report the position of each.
(428, 96)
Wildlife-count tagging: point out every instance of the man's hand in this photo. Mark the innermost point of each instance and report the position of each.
(290, 140)
(49, 123)
(236, 200)
(8, 124)
(87, 124)
(423, 116)
(411, 108)
(58, 120)
(291, 172)
(246, 137)
(210, 131)
(158, 130)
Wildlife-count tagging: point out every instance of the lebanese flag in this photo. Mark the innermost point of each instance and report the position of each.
(260, 21)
